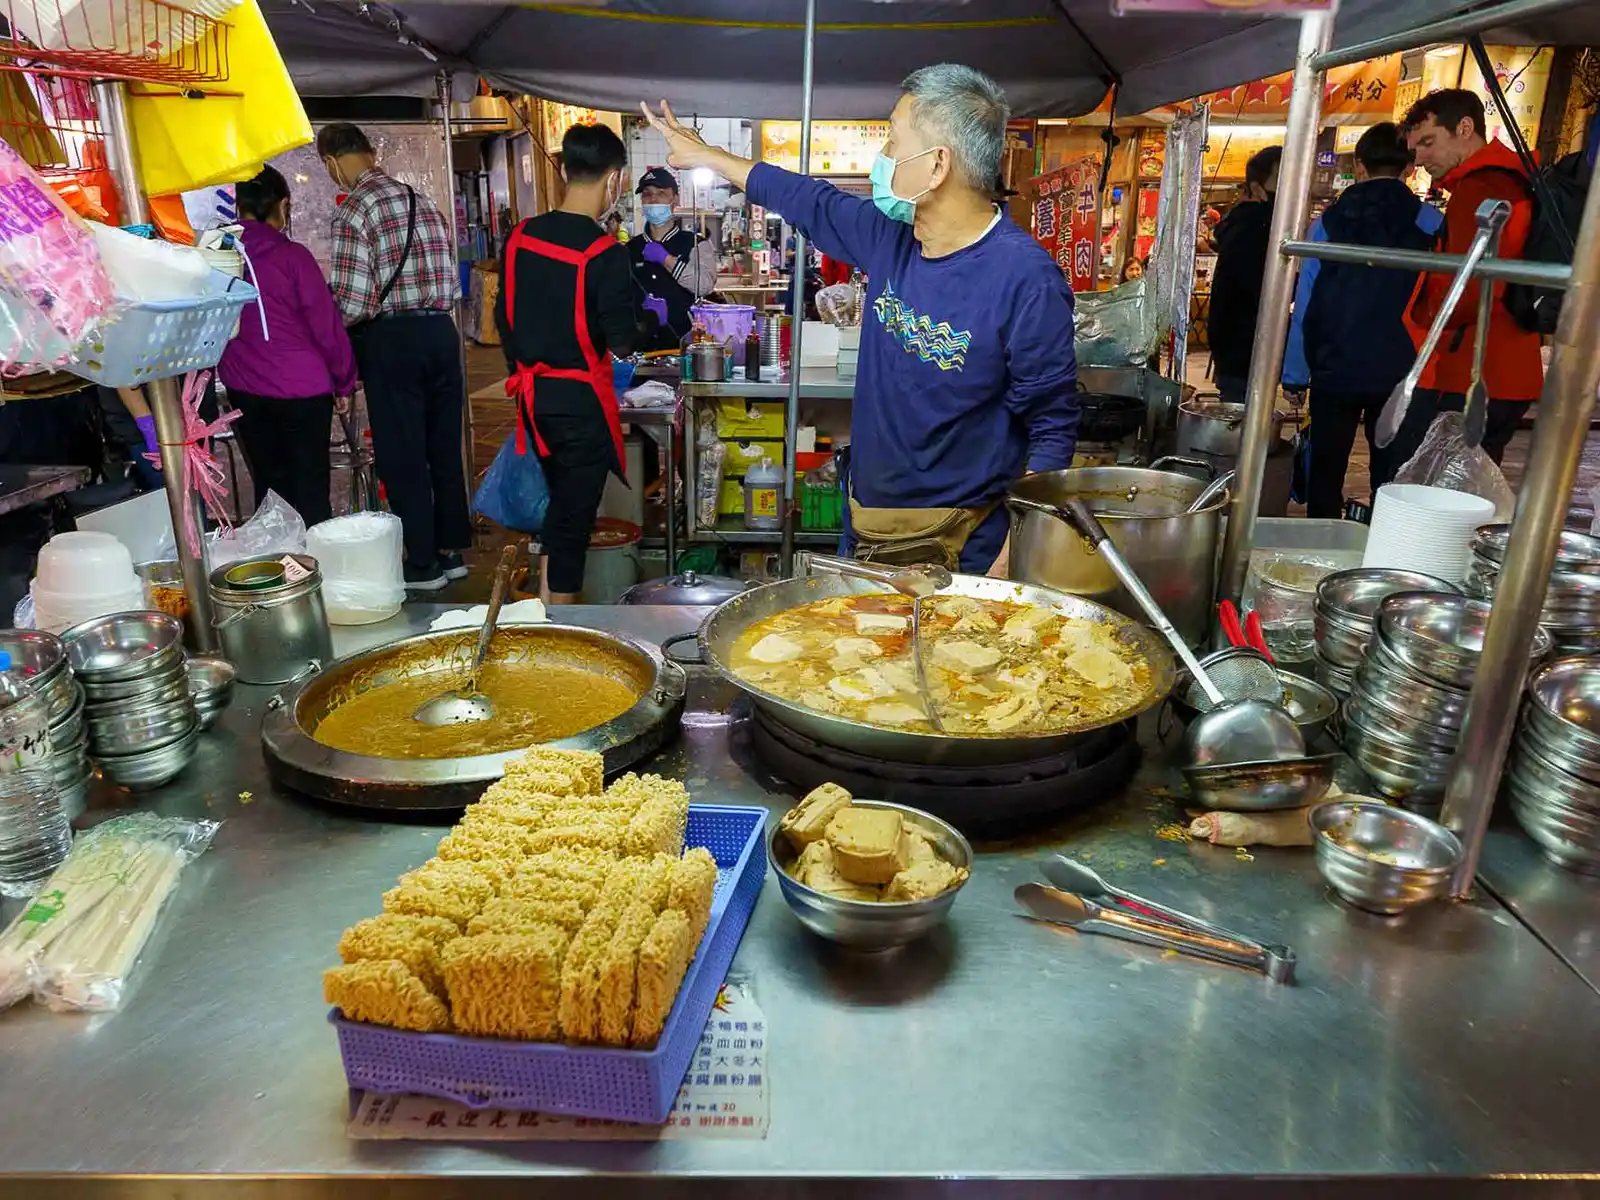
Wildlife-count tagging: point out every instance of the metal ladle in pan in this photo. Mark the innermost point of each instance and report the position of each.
(467, 705)
(916, 582)
(1233, 731)
(1491, 216)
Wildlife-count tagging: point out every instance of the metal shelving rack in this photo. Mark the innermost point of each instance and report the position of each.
(1562, 423)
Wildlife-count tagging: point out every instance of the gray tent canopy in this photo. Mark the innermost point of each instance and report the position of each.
(1055, 58)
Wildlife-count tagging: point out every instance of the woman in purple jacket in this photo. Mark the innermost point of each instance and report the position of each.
(289, 381)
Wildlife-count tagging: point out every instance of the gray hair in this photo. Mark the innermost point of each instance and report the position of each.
(967, 111)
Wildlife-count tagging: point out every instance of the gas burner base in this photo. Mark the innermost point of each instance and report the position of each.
(986, 801)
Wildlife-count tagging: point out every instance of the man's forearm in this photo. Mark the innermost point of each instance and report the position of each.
(731, 167)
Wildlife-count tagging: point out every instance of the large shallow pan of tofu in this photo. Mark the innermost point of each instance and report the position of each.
(1010, 671)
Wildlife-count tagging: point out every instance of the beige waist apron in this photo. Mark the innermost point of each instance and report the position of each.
(903, 536)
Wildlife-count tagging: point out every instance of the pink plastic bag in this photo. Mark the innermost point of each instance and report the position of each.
(53, 288)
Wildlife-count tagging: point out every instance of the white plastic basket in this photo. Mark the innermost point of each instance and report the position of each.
(159, 339)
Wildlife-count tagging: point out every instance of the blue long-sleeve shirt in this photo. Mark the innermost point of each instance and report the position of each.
(966, 374)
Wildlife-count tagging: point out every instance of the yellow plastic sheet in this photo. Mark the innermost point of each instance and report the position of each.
(193, 143)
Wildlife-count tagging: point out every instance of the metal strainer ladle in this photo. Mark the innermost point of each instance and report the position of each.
(1239, 673)
(1232, 731)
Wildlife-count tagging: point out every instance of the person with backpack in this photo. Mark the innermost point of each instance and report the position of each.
(1445, 131)
(1348, 341)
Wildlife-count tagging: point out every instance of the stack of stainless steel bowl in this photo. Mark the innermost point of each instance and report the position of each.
(1553, 774)
(1345, 613)
(1571, 609)
(42, 659)
(1402, 722)
(211, 686)
(141, 720)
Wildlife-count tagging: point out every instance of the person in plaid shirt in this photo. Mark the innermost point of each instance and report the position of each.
(396, 282)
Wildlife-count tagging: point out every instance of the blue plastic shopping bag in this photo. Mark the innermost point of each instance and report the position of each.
(513, 492)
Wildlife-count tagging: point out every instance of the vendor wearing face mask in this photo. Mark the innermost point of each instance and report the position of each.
(674, 266)
(966, 376)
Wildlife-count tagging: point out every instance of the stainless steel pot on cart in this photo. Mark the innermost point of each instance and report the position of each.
(297, 760)
(724, 626)
(1143, 509)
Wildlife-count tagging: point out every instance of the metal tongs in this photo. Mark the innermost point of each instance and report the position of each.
(915, 582)
(1081, 899)
(1491, 216)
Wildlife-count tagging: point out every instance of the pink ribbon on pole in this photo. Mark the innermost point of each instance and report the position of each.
(205, 474)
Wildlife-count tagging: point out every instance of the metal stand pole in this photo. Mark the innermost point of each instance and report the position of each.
(1559, 432)
(791, 415)
(1277, 290)
(111, 102)
(467, 443)
(166, 404)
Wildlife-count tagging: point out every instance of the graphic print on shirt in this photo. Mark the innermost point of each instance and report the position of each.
(938, 344)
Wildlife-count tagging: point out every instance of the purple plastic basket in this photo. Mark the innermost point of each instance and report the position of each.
(628, 1085)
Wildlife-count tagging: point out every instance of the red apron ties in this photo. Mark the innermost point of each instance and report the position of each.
(522, 384)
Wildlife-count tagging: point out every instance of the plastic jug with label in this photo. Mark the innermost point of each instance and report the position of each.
(763, 496)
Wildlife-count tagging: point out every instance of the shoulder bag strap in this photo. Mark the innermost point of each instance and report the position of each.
(405, 254)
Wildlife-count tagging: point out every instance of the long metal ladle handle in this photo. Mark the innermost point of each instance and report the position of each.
(502, 579)
(909, 581)
(1211, 491)
(1078, 515)
(1490, 216)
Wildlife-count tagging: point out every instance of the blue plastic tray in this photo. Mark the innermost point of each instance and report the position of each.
(628, 1085)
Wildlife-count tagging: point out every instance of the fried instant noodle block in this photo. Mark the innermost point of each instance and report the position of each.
(507, 984)
(412, 941)
(580, 975)
(663, 958)
(510, 915)
(384, 992)
(694, 885)
(481, 837)
(456, 891)
(617, 973)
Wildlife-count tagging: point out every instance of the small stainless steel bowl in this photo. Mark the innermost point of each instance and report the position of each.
(1538, 732)
(1336, 679)
(122, 646)
(1402, 727)
(141, 732)
(149, 769)
(1397, 771)
(1575, 552)
(1568, 691)
(1355, 595)
(1261, 786)
(170, 684)
(42, 660)
(1404, 693)
(1440, 635)
(864, 924)
(1555, 837)
(211, 686)
(1383, 859)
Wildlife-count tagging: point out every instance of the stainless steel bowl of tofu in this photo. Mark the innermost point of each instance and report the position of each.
(867, 874)
(1011, 671)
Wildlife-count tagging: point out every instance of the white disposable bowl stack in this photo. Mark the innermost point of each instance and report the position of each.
(80, 576)
(363, 580)
(1427, 529)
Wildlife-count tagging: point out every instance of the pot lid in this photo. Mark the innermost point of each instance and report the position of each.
(686, 588)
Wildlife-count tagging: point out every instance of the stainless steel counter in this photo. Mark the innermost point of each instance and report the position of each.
(1562, 907)
(1440, 1049)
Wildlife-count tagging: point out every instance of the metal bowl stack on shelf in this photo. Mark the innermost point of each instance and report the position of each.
(1571, 609)
(211, 686)
(141, 720)
(1553, 775)
(42, 660)
(1345, 613)
(1402, 722)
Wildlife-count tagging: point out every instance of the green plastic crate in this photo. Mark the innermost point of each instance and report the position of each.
(821, 507)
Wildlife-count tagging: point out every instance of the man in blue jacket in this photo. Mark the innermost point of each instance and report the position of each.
(966, 377)
(1348, 340)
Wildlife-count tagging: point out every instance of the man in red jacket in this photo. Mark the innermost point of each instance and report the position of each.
(1445, 131)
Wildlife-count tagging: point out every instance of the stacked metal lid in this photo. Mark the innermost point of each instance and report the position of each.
(1571, 609)
(141, 720)
(1553, 774)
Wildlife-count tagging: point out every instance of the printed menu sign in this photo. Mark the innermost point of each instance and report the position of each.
(1066, 219)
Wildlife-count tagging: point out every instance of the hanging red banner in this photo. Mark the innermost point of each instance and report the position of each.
(1066, 219)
